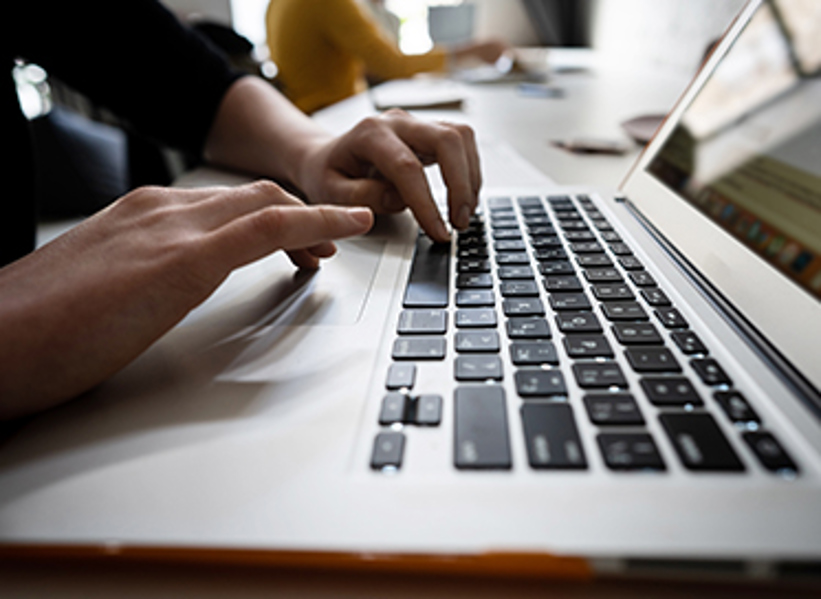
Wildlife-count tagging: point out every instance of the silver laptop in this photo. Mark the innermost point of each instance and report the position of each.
(578, 385)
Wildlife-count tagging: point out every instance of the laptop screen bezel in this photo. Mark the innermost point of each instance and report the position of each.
(788, 317)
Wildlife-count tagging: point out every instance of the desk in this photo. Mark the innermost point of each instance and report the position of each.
(594, 104)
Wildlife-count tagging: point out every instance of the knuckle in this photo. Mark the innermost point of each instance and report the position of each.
(406, 164)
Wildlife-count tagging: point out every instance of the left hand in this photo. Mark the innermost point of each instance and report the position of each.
(380, 164)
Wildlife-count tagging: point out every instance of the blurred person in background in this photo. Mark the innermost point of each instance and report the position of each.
(326, 49)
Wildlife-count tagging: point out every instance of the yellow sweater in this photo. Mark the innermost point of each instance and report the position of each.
(323, 48)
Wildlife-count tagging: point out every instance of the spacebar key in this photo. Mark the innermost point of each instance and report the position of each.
(429, 275)
(481, 435)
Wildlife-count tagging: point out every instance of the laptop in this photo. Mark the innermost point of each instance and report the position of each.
(580, 385)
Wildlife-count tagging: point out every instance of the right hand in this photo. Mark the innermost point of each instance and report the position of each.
(88, 303)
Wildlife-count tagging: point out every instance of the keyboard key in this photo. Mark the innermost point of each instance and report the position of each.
(519, 289)
(388, 448)
(710, 372)
(512, 258)
(652, 359)
(688, 342)
(503, 233)
(428, 410)
(422, 322)
(630, 263)
(394, 408)
(569, 301)
(620, 249)
(539, 383)
(474, 281)
(551, 437)
(476, 318)
(548, 254)
(477, 341)
(736, 407)
(510, 245)
(584, 235)
(639, 333)
(594, 260)
(419, 348)
(620, 311)
(769, 451)
(641, 278)
(670, 391)
(473, 266)
(655, 296)
(599, 375)
(610, 237)
(671, 318)
(562, 283)
(699, 443)
(481, 435)
(613, 409)
(561, 267)
(578, 322)
(515, 272)
(586, 247)
(475, 298)
(630, 451)
(427, 285)
(401, 375)
(533, 353)
(603, 275)
(523, 306)
(606, 292)
(587, 346)
(528, 328)
(477, 368)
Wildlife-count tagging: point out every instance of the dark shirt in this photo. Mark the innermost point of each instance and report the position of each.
(132, 57)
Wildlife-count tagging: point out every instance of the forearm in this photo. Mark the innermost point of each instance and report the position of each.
(257, 130)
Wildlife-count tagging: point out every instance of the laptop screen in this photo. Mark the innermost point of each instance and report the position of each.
(747, 150)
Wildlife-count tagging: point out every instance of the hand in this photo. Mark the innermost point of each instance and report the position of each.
(380, 164)
(85, 305)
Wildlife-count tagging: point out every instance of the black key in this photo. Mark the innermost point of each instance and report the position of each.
(670, 391)
(560, 267)
(481, 436)
(613, 408)
(599, 375)
(594, 260)
(387, 450)
(536, 219)
(578, 322)
(610, 236)
(603, 275)
(474, 281)
(473, 266)
(510, 245)
(641, 278)
(540, 383)
(429, 275)
(476, 318)
(574, 225)
(477, 368)
(528, 327)
(586, 247)
(671, 318)
(605, 292)
(401, 374)
(422, 322)
(394, 408)
(551, 437)
(519, 289)
(523, 306)
(655, 296)
(477, 341)
(428, 410)
(630, 263)
(419, 348)
(503, 233)
(569, 301)
(630, 451)
(699, 443)
(545, 242)
(769, 451)
(516, 272)
(475, 298)
(587, 346)
(584, 235)
(533, 353)
(639, 333)
(512, 258)
(688, 342)
(472, 253)
(620, 311)
(602, 224)
(548, 254)
(710, 372)
(652, 359)
(620, 249)
(736, 407)
(539, 231)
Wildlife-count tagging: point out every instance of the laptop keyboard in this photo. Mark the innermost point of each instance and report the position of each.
(604, 315)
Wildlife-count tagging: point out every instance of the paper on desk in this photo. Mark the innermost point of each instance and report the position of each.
(418, 94)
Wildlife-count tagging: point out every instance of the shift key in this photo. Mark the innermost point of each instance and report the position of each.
(481, 435)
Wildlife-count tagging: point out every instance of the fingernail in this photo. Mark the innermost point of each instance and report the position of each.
(441, 231)
(362, 216)
(463, 218)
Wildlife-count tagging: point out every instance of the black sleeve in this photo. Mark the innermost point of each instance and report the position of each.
(134, 58)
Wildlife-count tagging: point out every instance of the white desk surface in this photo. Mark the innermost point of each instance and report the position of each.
(594, 104)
